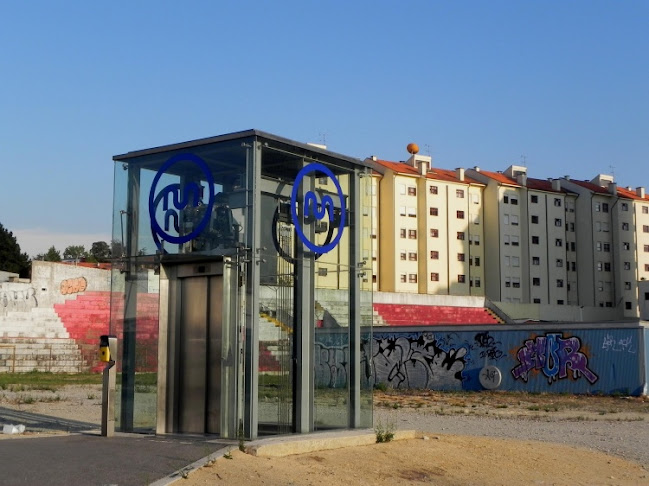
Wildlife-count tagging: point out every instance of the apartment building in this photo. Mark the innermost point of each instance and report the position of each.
(526, 238)
(430, 229)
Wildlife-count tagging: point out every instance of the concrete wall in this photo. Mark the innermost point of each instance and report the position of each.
(556, 359)
(559, 313)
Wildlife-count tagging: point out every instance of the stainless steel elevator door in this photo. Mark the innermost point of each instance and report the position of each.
(199, 347)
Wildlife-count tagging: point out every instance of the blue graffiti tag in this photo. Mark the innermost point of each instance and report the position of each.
(553, 355)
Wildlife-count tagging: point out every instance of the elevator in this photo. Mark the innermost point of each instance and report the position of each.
(198, 356)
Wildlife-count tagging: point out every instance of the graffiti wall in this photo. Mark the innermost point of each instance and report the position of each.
(567, 361)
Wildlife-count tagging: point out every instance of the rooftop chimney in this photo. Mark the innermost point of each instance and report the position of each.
(460, 173)
(639, 192)
(566, 177)
(476, 168)
(556, 184)
(612, 188)
(522, 179)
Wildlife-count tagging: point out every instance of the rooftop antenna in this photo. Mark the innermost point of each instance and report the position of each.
(612, 169)
(524, 160)
(427, 148)
(323, 138)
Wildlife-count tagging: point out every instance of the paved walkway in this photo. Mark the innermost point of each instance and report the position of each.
(85, 457)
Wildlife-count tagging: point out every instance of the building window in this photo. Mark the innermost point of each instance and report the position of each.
(434, 255)
(646, 267)
(506, 199)
(627, 285)
(598, 207)
(534, 199)
(402, 278)
(572, 246)
(516, 282)
(599, 266)
(412, 278)
(609, 304)
(477, 282)
(516, 261)
(600, 286)
(627, 265)
(505, 218)
(506, 239)
(322, 272)
(536, 282)
(459, 193)
(460, 235)
(477, 261)
(558, 242)
(557, 202)
(412, 212)
(645, 228)
(645, 210)
(460, 215)
(434, 277)
(535, 240)
(605, 207)
(607, 267)
(514, 220)
(571, 227)
(627, 305)
(402, 232)
(515, 240)
(434, 233)
(412, 256)
(402, 210)
(560, 302)
(412, 234)
(559, 262)
(402, 255)
(535, 220)
(507, 259)
(606, 247)
(402, 189)
(461, 278)
(412, 191)
(476, 240)
(646, 248)
(434, 211)
(558, 222)
(537, 301)
(460, 257)
(514, 201)
(625, 226)
(625, 207)
(573, 266)
(432, 189)
(536, 261)
(559, 282)
(475, 198)
(598, 246)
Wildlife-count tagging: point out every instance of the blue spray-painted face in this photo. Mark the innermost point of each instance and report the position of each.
(318, 210)
(175, 198)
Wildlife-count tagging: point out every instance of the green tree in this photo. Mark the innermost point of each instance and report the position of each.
(11, 258)
(100, 251)
(74, 252)
(52, 255)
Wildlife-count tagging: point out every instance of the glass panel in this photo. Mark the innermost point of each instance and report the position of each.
(276, 319)
(368, 247)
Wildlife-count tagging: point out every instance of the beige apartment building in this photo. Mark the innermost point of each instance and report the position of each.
(430, 234)
(527, 238)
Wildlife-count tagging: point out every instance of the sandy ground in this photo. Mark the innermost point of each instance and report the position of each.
(433, 459)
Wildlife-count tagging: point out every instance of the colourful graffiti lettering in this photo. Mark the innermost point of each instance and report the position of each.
(553, 355)
(73, 285)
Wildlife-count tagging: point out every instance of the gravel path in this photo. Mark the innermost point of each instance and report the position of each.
(629, 440)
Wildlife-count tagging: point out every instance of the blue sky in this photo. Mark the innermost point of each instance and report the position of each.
(560, 85)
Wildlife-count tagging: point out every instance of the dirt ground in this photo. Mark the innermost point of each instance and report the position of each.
(432, 459)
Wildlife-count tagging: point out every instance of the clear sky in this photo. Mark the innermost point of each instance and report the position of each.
(561, 86)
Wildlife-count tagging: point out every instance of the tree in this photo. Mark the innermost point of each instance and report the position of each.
(100, 251)
(11, 258)
(74, 252)
(52, 255)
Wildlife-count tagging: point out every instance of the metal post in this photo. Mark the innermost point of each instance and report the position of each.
(108, 347)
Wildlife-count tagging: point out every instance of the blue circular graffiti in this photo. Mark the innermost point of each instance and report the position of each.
(180, 197)
(311, 205)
